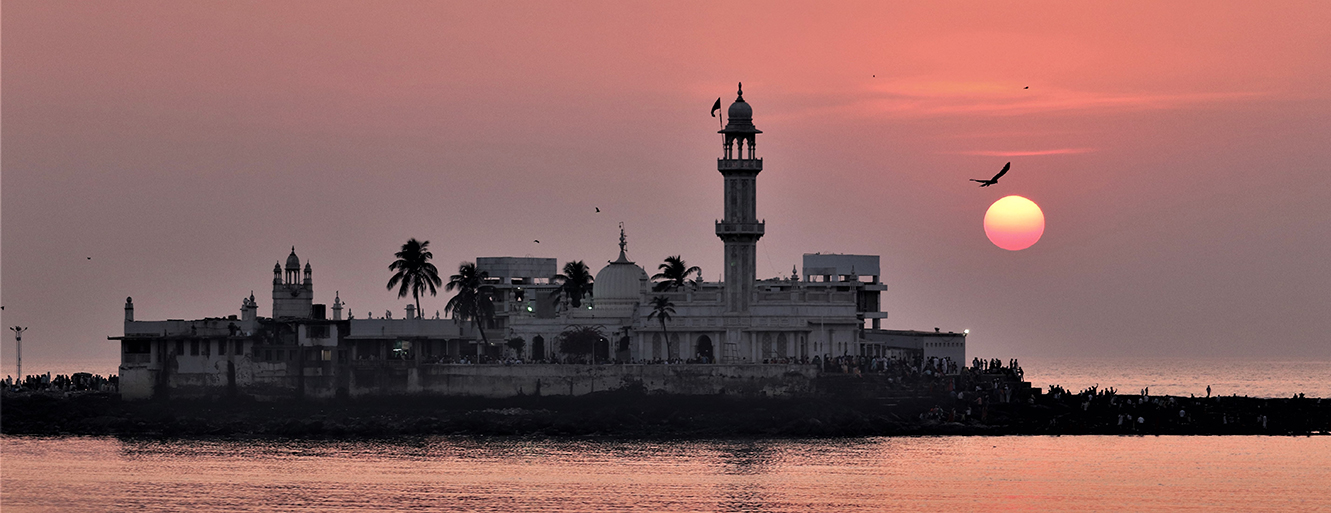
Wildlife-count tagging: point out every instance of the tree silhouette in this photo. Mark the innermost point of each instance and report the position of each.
(674, 274)
(474, 300)
(579, 340)
(662, 309)
(575, 282)
(415, 273)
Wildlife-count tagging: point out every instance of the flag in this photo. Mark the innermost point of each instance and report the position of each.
(716, 106)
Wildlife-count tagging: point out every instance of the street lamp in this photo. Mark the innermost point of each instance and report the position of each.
(18, 346)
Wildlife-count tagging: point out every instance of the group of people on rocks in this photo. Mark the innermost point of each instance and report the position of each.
(1105, 409)
(79, 381)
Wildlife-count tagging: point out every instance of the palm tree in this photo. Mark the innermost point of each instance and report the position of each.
(414, 271)
(575, 283)
(674, 274)
(474, 300)
(662, 309)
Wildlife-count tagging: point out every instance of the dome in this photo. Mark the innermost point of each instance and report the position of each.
(293, 262)
(740, 111)
(740, 116)
(619, 282)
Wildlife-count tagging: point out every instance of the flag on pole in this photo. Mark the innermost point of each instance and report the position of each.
(715, 107)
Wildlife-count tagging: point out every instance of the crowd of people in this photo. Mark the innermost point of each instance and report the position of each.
(77, 382)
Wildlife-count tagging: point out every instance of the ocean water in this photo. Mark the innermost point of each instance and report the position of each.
(1091, 473)
(1181, 377)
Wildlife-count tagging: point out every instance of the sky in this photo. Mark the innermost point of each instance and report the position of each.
(174, 151)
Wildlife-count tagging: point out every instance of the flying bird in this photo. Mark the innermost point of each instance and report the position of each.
(598, 210)
(1027, 87)
(537, 241)
(994, 180)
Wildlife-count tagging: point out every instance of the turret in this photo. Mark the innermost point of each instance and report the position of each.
(249, 309)
(337, 306)
(129, 309)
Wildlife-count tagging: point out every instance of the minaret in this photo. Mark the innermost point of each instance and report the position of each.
(741, 229)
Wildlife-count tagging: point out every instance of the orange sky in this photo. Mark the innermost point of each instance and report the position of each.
(1179, 152)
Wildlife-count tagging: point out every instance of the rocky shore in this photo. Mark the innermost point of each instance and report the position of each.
(636, 414)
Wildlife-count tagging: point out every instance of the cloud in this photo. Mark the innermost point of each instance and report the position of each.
(1031, 153)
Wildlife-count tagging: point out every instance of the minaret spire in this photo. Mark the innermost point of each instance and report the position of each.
(623, 246)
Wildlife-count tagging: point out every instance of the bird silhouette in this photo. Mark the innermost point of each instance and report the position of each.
(89, 258)
(537, 241)
(994, 180)
(1027, 87)
(598, 210)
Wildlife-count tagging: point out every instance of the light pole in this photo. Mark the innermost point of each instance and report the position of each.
(18, 344)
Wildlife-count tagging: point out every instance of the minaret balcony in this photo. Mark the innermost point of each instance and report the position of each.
(739, 165)
(724, 229)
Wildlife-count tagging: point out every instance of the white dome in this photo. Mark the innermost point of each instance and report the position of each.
(621, 282)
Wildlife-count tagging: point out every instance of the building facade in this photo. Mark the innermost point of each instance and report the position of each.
(746, 327)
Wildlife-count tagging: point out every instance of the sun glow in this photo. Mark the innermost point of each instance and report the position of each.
(1014, 223)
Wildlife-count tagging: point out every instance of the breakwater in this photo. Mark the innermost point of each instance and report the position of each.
(635, 413)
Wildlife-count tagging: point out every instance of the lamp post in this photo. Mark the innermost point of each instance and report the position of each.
(18, 345)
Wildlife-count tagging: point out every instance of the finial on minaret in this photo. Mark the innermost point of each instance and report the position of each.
(739, 99)
(623, 242)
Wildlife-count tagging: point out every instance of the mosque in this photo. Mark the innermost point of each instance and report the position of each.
(731, 333)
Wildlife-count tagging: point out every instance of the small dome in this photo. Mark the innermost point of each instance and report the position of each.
(293, 262)
(741, 116)
(740, 110)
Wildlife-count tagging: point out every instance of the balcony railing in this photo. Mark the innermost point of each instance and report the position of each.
(739, 164)
(757, 228)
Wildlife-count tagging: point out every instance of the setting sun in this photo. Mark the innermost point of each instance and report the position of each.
(1014, 223)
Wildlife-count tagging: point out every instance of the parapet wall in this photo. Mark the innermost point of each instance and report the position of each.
(546, 379)
(276, 380)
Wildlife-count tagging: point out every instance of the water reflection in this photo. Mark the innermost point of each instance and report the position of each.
(509, 474)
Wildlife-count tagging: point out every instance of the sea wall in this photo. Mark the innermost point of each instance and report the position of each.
(574, 380)
(282, 380)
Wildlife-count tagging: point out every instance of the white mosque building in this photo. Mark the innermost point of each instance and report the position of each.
(741, 323)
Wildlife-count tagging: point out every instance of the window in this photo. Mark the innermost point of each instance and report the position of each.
(138, 347)
(316, 331)
(194, 348)
(240, 348)
(180, 347)
(268, 355)
(327, 355)
(221, 348)
(342, 355)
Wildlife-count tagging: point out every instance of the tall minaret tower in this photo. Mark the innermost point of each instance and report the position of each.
(740, 229)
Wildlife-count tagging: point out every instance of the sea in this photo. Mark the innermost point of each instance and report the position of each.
(929, 473)
(934, 473)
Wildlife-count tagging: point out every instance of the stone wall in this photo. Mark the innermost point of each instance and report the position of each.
(548, 379)
(275, 380)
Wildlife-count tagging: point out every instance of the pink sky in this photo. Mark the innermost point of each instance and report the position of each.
(1180, 153)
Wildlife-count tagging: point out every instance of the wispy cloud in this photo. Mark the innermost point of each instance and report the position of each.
(1031, 153)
